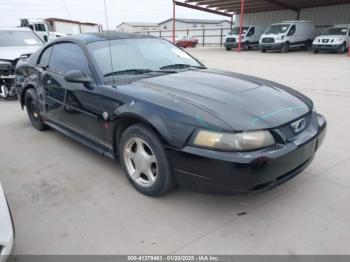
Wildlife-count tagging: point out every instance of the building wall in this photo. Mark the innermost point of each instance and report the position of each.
(322, 17)
(129, 28)
(88, 29)
(182, 25)
(67, 28)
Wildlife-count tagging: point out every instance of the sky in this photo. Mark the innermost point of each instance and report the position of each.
(93, 11)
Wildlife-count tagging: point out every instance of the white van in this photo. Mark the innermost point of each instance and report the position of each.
(287, 35)
(250, 37)
(335, 39)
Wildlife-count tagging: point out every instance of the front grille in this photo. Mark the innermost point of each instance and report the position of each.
(325, 40)
(268, 40)
(231, 40)
(287, 131)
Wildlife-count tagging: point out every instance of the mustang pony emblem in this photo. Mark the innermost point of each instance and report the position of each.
(299, 125)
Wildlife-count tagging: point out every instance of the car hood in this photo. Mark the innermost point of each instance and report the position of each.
(242, 102)
(14, 52)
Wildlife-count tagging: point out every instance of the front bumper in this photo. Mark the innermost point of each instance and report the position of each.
(234, 44)
(326, 47)
(272, 46)
(6, 230)
(216, 172)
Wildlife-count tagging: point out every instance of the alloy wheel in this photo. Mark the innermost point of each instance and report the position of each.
(141, 163)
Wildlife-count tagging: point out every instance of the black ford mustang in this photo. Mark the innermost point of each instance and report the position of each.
(169, 119)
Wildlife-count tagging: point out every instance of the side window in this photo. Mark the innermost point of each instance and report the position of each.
(251, 31)
(292, 30)
(66, 57)
(45, 57)
(349, 32)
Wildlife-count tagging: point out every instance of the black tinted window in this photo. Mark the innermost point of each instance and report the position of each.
(292, 30)
(67, 57)
(45, 57)
(251, 31)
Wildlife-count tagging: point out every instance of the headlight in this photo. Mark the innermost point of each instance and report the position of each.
(244, 141)
(280, 37)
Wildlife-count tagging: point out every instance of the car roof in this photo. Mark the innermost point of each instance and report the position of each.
(15, 29)
(106, 35)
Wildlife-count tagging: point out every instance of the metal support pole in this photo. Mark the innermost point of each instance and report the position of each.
(174, 21)
(231, 24)
(241, 26)
(203, 36)
(298, 15)
(221, 35)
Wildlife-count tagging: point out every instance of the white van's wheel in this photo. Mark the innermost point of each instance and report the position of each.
(285, 48)
(342, 49)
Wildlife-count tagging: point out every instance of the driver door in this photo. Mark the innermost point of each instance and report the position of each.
(71, 105)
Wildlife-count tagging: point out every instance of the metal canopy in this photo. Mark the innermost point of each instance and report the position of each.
(228, 7)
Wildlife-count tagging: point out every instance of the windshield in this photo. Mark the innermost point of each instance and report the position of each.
(137, 56)
(335, 31)
(18, 38)
(235, 30)
(277, 29)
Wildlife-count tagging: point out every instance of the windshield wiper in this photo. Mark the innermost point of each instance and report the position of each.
(181, 66)
(137, 72)
(130, 72)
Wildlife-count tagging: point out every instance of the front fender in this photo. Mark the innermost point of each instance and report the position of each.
(164, 121)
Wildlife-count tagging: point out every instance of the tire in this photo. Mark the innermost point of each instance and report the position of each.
(263, 50)
(247, 45)
(342, 49)
(144, 161)
(315, 51)
(228, 48)
(285, 48)
(33, 109)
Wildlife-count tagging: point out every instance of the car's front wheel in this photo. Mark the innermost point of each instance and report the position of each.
(33, 109)
(342, 49)
(285, 48)
(144, 161)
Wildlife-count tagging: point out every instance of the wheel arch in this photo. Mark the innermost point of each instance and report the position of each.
(23, 93)
(167, 129)
(125, 120)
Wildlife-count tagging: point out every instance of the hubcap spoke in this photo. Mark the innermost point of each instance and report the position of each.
(151, 177)
(136, 174)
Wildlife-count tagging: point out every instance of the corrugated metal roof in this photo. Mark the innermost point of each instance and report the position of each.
(254, 6)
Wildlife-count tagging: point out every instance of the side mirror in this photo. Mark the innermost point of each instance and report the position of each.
(76, 76)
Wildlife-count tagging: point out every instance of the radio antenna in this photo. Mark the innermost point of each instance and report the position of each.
(109, 40)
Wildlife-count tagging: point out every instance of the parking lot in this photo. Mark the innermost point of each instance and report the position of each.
(67, 199)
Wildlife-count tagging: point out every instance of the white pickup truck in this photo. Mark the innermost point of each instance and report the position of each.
(336, 39)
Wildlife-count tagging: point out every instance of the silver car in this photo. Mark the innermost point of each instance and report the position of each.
(15, 44)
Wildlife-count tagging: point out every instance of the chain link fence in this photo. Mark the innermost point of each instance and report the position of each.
(208, 36)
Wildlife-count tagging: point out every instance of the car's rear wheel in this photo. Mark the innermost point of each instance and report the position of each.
(144, 161)
(33, 109)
